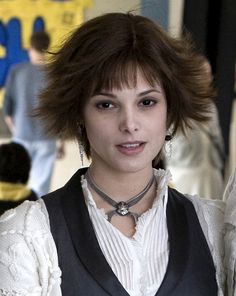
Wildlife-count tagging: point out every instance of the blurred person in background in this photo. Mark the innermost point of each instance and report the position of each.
(197, 158)
(24, 83)
(15, 167)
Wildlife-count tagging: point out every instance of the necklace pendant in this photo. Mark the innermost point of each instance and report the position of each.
(122, 208)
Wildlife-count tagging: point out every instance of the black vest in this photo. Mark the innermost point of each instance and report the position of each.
(85, 271)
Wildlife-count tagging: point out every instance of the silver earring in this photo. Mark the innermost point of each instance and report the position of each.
(81, 153)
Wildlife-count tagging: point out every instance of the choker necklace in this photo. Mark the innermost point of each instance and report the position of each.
(122, 207)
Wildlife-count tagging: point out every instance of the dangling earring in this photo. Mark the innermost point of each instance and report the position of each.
(81, 153)
(168, 146)
(81, 147)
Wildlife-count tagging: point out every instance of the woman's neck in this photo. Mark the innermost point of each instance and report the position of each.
(120, 186)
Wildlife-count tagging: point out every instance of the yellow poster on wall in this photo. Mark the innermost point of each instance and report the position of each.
(20, 18)
(60, 16)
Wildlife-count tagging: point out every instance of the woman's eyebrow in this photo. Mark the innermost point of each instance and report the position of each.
(111, 95)
(143, 93)
(106, 94)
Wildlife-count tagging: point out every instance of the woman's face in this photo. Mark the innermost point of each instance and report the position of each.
(126, 128)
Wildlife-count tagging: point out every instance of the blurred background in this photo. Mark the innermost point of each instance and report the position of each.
(212, 25)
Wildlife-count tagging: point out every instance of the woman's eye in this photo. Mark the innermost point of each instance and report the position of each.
(147, 102)
(105, 105)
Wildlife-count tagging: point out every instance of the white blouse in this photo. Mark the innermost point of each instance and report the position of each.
(139, 262)
(28, 255)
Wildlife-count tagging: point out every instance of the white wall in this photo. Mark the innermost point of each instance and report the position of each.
(103, 6)
(175, 16)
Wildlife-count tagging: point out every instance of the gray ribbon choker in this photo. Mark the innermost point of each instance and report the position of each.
(122, 207)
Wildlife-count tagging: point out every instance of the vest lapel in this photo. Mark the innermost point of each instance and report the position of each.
(84, 239)
(177, 225)
(190, 270)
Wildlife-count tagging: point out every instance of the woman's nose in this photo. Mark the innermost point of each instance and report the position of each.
(129, 121)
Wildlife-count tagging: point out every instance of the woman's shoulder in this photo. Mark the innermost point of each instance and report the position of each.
(214, 208)
(230, 233)
(28, 216)
(218, 221)
(211, 215)
(28, 256)
(224, 209)
(230, 199)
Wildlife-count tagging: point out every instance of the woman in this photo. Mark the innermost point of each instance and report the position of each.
(122, 88)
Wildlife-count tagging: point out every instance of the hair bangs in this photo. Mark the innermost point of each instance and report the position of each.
(120, 72)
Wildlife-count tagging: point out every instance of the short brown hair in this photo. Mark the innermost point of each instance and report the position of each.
(105, 52)
(40, 41)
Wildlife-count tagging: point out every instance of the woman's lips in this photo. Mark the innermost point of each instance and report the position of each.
(131, 148)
